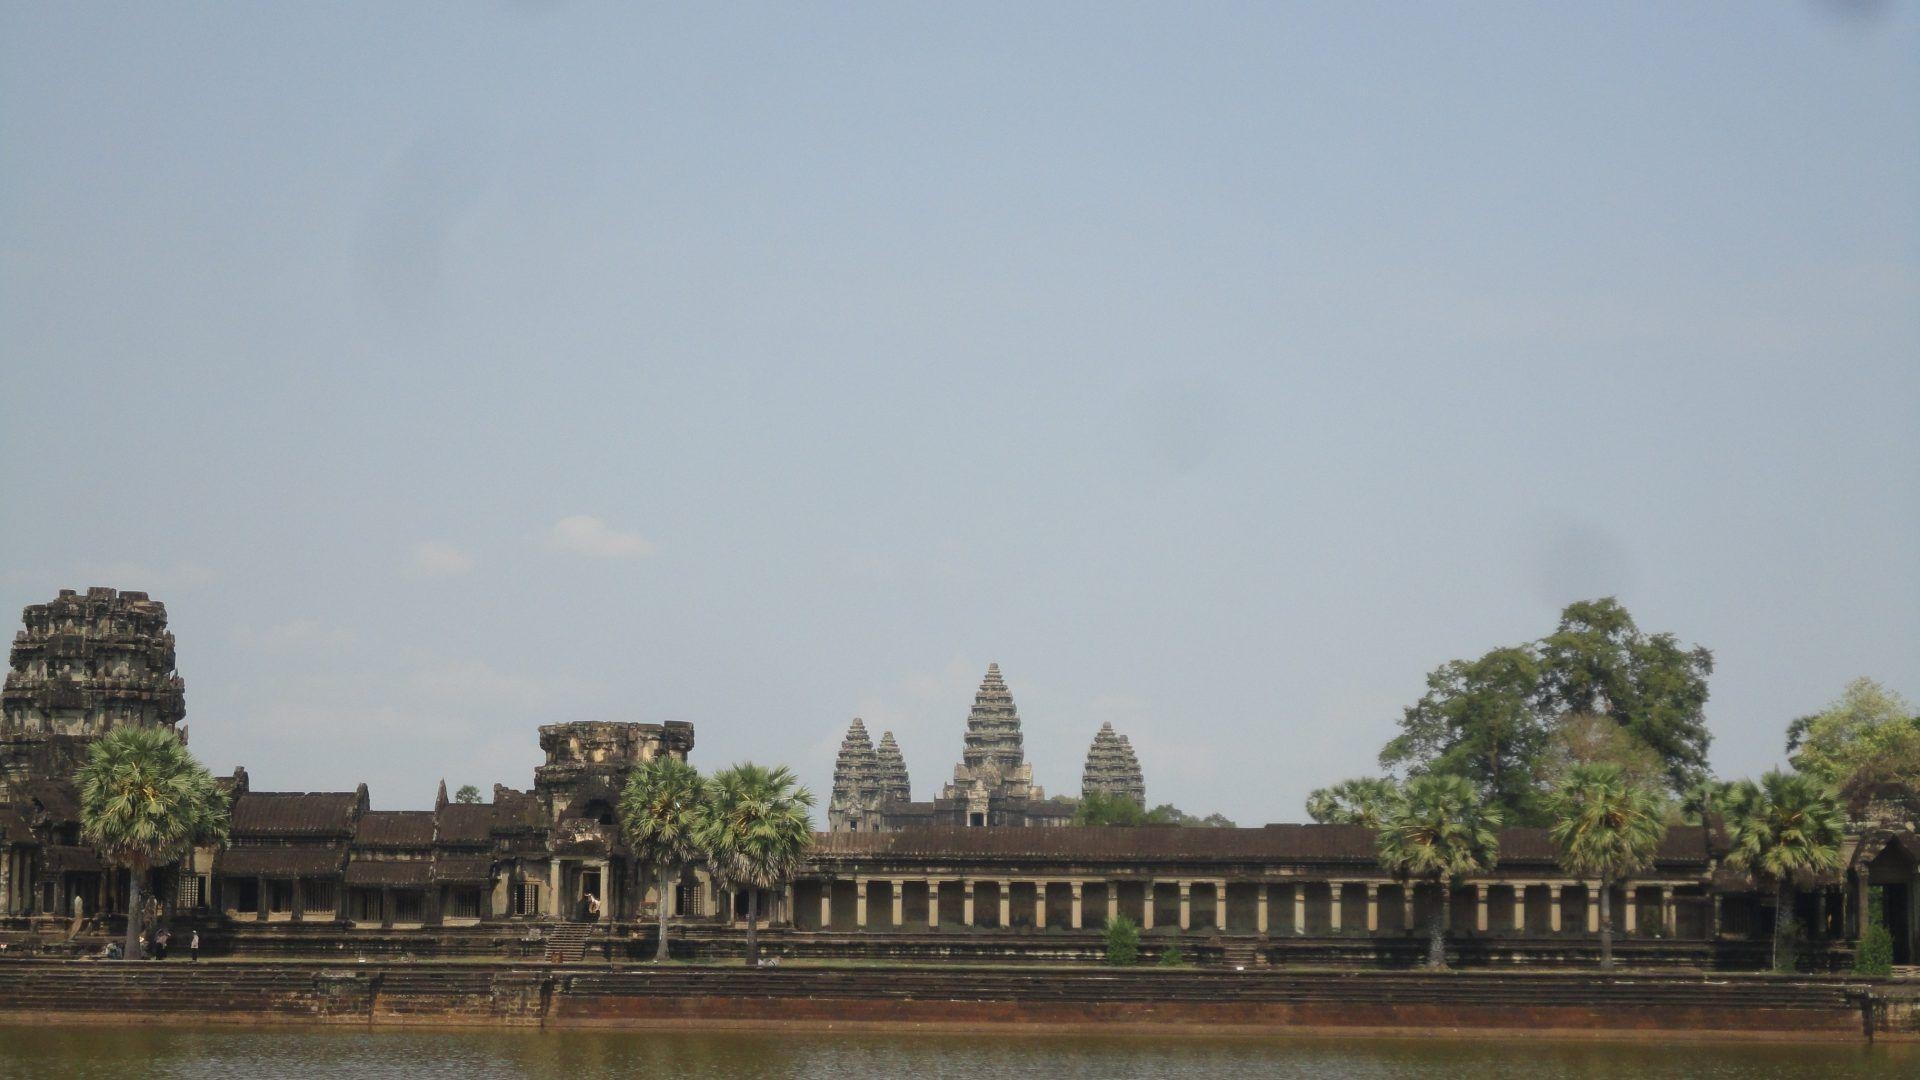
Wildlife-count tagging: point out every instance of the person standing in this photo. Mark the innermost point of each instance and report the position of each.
(193, 946)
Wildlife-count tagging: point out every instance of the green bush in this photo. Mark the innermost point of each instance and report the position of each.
(1123, 941)
(1874, 957)
(1172, 957)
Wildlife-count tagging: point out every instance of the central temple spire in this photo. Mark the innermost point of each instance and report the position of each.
(993, 727)
(993, 784)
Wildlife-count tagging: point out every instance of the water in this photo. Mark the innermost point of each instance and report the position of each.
(257, 1053)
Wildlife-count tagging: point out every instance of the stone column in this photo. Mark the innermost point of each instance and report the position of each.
(1593, 908)
(1113, 901)
(6, 881)
(860, 903)
(386, 908)
(1336, 897)
(966, 908)
(1260, 910)
(261, 904)
(1220, 906)
(826, 904)
(1039, 905)
(1862, 913)
(1480, 908)
(1406, 907)
(1077, 898)
(1630, 919)
(933, 903)
(1299, 908)
(1373, 908)
(1553, 908)
(1186, 905)
(1006, 904)
(1146, 911)
(299, 901)
(899, 904)
(1668, 924)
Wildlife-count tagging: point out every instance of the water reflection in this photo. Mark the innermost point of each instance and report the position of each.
(254, 1054)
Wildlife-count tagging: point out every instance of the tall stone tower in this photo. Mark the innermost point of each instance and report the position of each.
(1112, 769)
(993, 784)
(894, 785)
(855, 803)
(83, 666)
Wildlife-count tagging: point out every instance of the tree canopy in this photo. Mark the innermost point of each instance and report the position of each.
(1597, 689)
(1608, 827)
(144, 802)
(1785, 830)
(1866, 746)
(1440, 831)
(754, 828)
(468, 795)
(1363, 800)
(660, 816)
(1101, 808)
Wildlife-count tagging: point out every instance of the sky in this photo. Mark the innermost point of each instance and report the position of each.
(1217, 370)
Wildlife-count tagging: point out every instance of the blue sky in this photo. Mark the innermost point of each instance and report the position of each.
(1216, 370)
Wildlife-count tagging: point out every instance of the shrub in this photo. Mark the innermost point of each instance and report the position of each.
(1172, 957)
(1123, 941)
(1874, 958)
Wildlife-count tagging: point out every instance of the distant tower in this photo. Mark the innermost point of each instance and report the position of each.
(83, 666)
(1112, 769)
(855, 804)
(993, 783)
(892, 776)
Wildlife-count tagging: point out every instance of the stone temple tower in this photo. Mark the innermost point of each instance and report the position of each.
(1112, 769)
(993, 784)
(83, 666)
(855, 803)
(894, 785)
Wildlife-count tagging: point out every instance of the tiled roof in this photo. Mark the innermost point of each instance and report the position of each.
(1049, 810)
(292, 813)
(394, 829)
(465, 823)
(276, 861)
(463, 869)
(389, 873)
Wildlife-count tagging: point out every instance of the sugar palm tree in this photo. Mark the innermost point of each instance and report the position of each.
(1784, 831)
(1439, 831)
(145, 802)
(660, 812)
(1605, 828)
(754, 829)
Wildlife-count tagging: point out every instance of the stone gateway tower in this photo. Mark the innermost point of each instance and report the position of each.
(83, 666)
(1112, 769)
(993, 784)
(869, 784)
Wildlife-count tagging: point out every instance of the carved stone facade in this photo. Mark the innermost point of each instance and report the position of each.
(870, 785)
(1112, 769)
(894, 786)
(993, 784)
(82, 666)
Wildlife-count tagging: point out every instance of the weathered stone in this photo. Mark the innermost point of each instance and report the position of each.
(1112, 769)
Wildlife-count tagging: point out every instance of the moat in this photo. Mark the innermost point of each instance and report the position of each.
(169, 1051)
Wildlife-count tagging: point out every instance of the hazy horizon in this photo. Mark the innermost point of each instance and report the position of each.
(1218, 372)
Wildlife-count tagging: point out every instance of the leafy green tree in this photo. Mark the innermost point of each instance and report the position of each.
(468, 795)
(1866, 745)
(1784, 831)
(1577, 739)
(1440, 832)
(1704, 800)
(1479, 720)
(1104, 808)
(1123, 941)
(145, 802)
(1605, 827)
(1169, 814)
(660, 813)
(1597, 662)
(755, 829)
(1363, 800)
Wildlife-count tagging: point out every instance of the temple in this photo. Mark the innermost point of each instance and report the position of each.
(1112, 769)
(964, 876)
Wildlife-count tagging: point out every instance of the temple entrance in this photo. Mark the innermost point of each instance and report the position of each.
(1895, 904)
(589, 886)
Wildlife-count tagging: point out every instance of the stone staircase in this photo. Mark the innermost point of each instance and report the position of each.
(567, 942)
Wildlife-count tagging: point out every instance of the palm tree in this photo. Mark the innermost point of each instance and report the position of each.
(660, 812)
(144, 802)
(1605, 828)
(754, 828)
(1439, 831)
(1364, 800)
(1785, 830)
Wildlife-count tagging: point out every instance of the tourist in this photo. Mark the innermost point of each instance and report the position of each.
(161, 940)
(193, 946)
(593, 908)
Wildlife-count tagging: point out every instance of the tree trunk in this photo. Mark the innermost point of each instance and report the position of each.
(133, 913)
(1606, 922)
(1437, 930)
(753, 917)
(1779, 919)
(660, 951)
